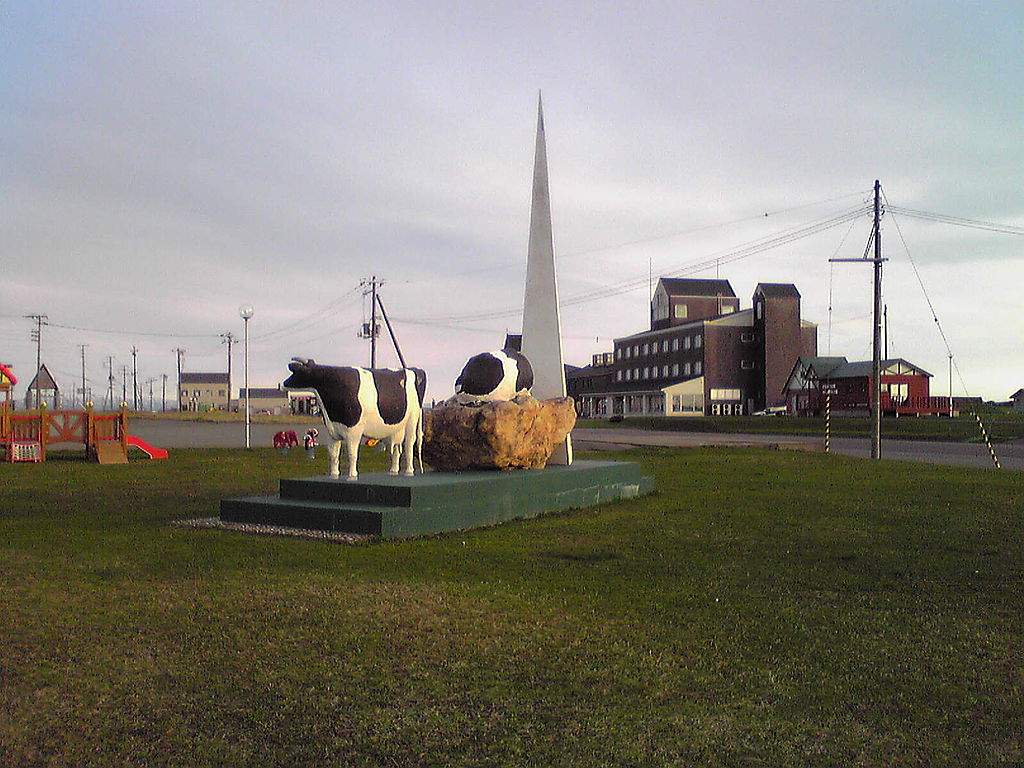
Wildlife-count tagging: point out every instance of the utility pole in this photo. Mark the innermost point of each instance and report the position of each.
(179, 352)
(150, 381)
(124, 385)
(135, 377)
(229, 339)
(876, 321)
(371, 330)
(82, 347)
(110, 382)
(37, 337)
(876, 342)
(163, 393)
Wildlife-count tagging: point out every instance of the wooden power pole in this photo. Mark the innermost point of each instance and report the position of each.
(876, 340)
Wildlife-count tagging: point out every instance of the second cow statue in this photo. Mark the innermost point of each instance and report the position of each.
(385, 404)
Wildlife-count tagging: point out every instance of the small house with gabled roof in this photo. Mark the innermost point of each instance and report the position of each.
(43, 389)
(905, 388)
(1017, 398)
(199, 391)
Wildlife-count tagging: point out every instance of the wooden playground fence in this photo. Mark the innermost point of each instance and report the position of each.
(43, 427)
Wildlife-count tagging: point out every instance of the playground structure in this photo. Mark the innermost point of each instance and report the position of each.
(25, 436)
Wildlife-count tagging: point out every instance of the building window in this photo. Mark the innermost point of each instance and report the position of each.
(664, 345)
(680, 312)
(746, 337)
(747, 364)
(686, 369)
(618, 375)
(726, 394)
(675, 369)
(686, 342)
(220, 392)
(697, 368)
(675, 344)
(759, 309)
(697, 341)
(636, 374)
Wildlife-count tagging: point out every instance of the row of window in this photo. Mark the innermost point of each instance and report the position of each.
(654, 347)
(662, 372)
(209, 393)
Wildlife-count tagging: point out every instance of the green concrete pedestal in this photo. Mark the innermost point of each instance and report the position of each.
(393, 507)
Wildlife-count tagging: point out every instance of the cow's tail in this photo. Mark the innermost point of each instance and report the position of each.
(419, 439)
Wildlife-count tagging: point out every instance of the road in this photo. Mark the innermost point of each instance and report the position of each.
(179, 434)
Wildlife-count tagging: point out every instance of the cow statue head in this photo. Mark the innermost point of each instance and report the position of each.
(303, 374)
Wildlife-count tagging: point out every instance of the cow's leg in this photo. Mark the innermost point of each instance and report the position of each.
(395, 448)
(352, 439)
(333, 452)
(409, 443)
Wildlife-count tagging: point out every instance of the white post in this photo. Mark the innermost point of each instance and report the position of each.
(246, 312)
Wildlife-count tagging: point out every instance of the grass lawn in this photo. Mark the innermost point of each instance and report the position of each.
(761, 609)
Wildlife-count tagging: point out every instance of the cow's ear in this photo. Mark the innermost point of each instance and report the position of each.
(294, 367)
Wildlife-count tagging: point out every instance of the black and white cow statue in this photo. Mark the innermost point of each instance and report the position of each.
(381, 403)
(492, 377)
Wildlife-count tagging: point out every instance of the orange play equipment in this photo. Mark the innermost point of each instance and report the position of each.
(25, 436)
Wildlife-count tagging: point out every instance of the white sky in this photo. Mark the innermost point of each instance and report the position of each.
(162, 163)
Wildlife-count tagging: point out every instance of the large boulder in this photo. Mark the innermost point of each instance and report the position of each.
(520, 433)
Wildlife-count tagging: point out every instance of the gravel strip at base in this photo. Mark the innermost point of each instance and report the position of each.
(274, 530)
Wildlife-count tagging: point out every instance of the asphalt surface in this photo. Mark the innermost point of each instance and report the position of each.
(179, 434)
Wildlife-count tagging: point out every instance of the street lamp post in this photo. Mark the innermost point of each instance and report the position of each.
(246, 312)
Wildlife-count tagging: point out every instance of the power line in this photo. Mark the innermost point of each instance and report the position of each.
(751, 248)
(957, 221)
(331, 307)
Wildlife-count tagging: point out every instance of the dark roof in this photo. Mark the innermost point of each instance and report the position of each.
(262, 392)
(839, 368)
(44, 380)
(204, 378)
(685, 286)
(1018, 393)
(778, 290)
(822, 366)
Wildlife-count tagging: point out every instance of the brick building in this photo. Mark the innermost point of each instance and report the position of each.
(702, 355)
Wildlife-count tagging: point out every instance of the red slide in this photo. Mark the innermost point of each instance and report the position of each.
(149, 450)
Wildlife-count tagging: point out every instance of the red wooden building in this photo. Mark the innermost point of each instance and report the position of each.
(905, 388)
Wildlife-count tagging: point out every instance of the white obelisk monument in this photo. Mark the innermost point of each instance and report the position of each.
(542, 330)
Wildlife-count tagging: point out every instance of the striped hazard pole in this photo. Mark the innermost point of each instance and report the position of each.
(828, 418)
(984, 436)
